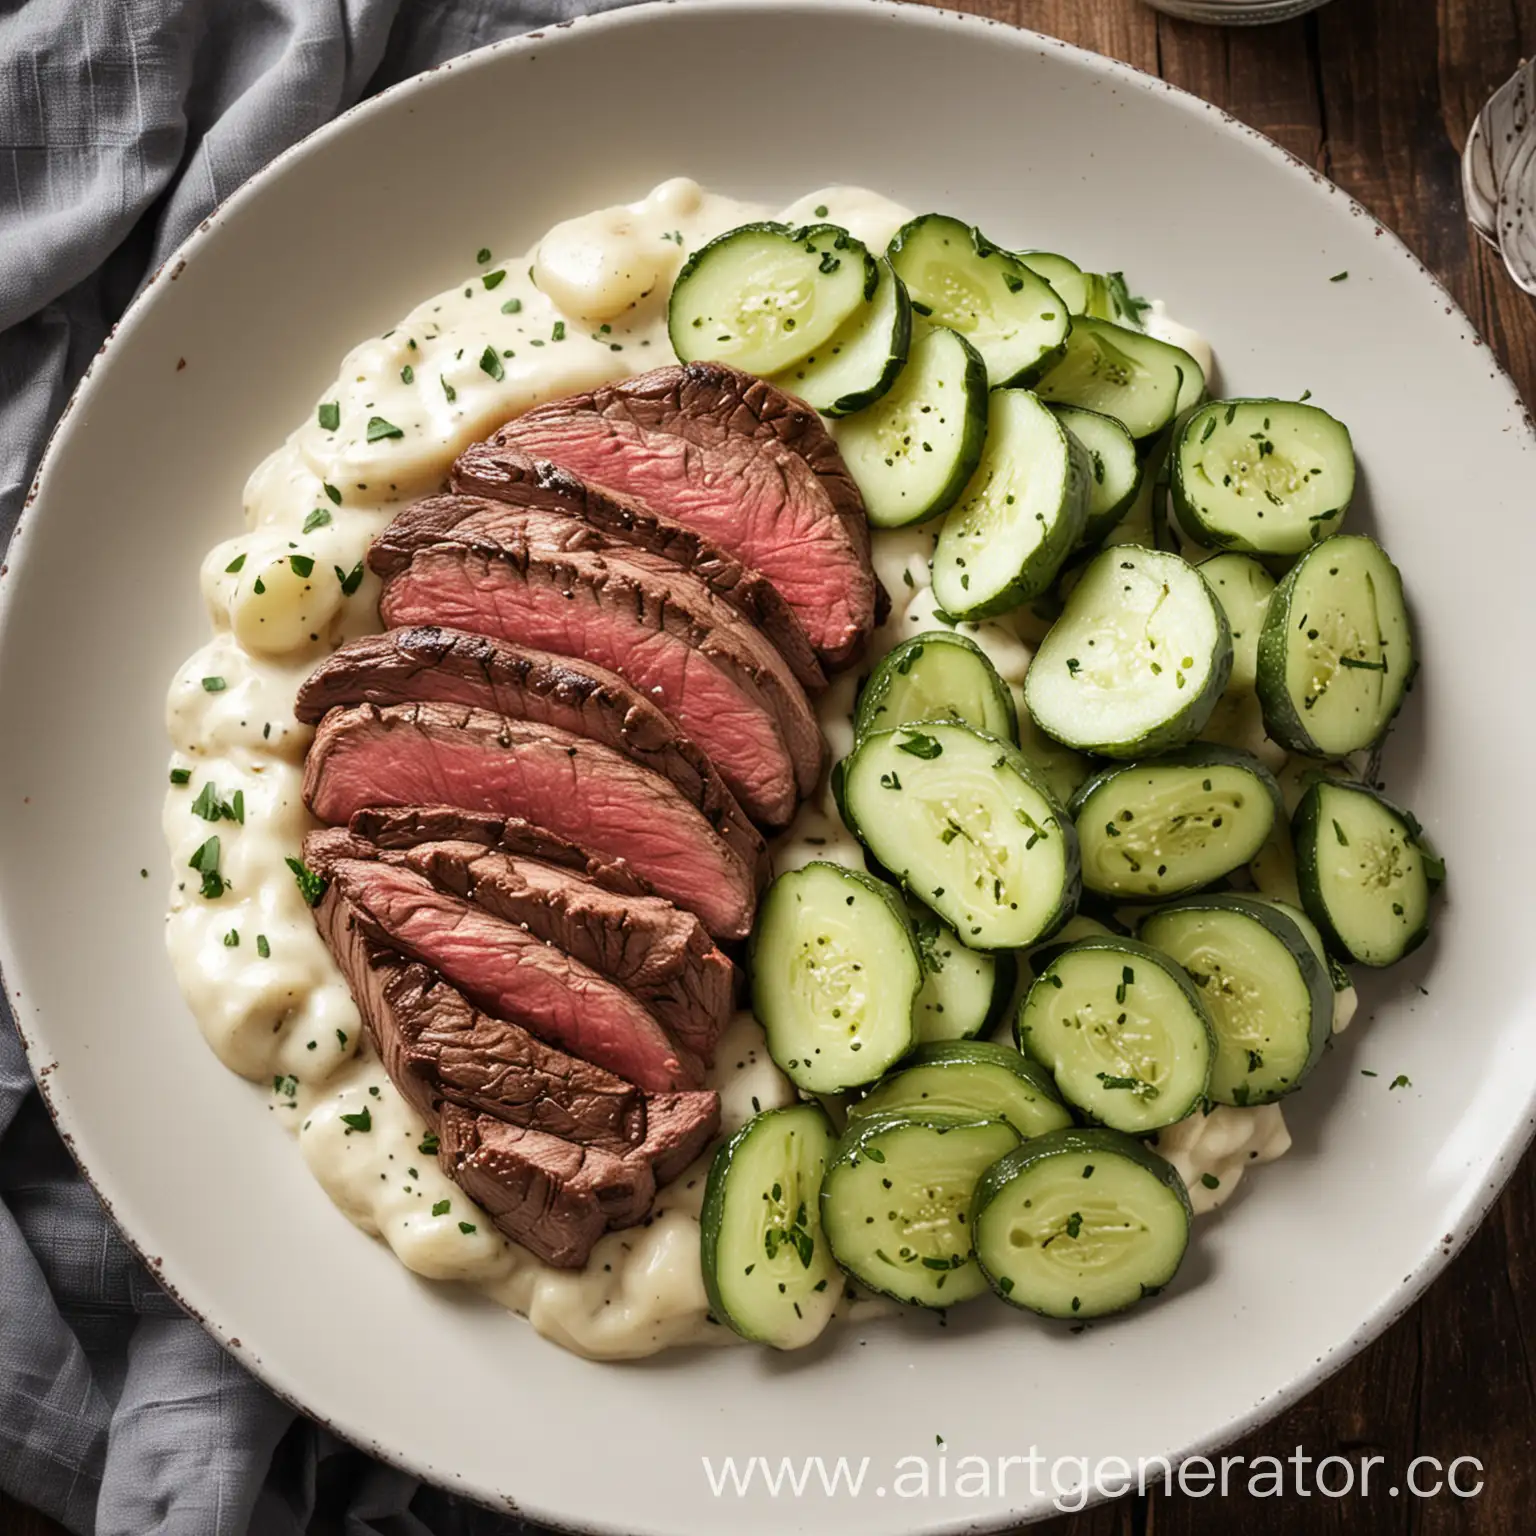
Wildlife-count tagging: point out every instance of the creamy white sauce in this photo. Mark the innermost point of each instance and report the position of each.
(587, 305)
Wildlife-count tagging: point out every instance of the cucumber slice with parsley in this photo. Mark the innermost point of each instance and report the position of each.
(1269, 477)
(937, 675)
(1137, 660)
(1169, 826)
(835, 971)
(1122, 1031)
(896, 1203)
(1020, 516)
(1336, 651)
(1064, 275)
(768, 1268)
(965, 991)
(862, 359)
(1135, 378)
(957, 817)
(1115, 468)
(1269, 996)
(1080, 1224)
(960, 279)
(763, 296)
(1366, 871)
(915, 449)
(974, 1080)
(1243, 588)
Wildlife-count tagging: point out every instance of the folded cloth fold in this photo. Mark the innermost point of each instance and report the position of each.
(123, 123)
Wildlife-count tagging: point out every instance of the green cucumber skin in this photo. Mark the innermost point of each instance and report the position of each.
(879, 683)
(1093, 1141)
(1071, 857)
(1281, 719)
(1314, 971)
(1097, 527)
(1304, 833)
(984, 1051)
(901, 344)
(712, 1211)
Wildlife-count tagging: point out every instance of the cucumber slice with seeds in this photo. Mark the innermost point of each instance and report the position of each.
(1269, 996)
(937, 675)
(973, 1079)
(896, 1203)
(1243, 588)
(965, 991)
(1137, 660)
(1135, 378)
(960, 279)
(1115, 468)
(957, 817)
(768, 1268)
(1080, 1224)
(1336, 652)
(835, 971)
(1270, 477)
(862, 359)
(763, 296)
(1366, 871)
(1123, 1032)
(1019, 517)
(1167, 827)
(915, 449)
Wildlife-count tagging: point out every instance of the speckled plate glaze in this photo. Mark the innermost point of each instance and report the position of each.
(1044, 146)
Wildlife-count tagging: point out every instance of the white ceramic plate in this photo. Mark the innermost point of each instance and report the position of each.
(1044, 146)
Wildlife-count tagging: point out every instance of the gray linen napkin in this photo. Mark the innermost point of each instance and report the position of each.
(122, 124)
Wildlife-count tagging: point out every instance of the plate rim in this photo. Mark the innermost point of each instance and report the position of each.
(15, 557)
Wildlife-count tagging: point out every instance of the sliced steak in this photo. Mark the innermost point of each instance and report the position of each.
(513, 975)
(536, 580)
(408, 826)
(653, 949)
(439, 754)
(435, 1046)
(749, 467)
(447, 666)
(678, 1128)
(504, 473)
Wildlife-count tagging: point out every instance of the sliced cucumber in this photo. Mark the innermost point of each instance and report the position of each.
(1366, 871)
(1079, 1224)
(974, 1080)
(768, 1268)
(1122, 1031)
(915, 449)
(1243, 588)
(896, 1203)
(965, 991)
(1137, 660)
(861, 360)
(1019, 517)
(937, 675)
(1336, 651)
(958, 278)
(835, 971)
(763, 296)
(1127, 374)
(1269, 997)
(1270, 477)
(1064, 275)
(958, 818)
(1059, 768)
(1166, 827)
(1115, 468)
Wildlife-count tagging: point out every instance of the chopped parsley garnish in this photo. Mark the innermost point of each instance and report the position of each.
(311, 886)
(361, 1121)
(236, 565)
(921, 745)
(211, 806)
(467, 1228)
(1400, 1081)
(441, 1208)
(329, 415)
(512, 307)
(303, 565)
(558, 334)
(206, 862)
(350, 580)
(1338, 277)
(379, 428)
(482, 256)
(316, 519)
(214, 685)
(263, 948)
(332, 492)
(181, 775)
(490, 363)
(407, 375)
(428, 1147)
(1210, 1181)
(495, 279)
(232, 939)
(449, 392)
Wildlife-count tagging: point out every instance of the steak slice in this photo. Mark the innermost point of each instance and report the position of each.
(512, 975)
(504, 473)
(551, 582)
(435, 1046)
(678, 1128)
(749, 467)
(407, 826)
(653, 949)
(439, 754)
(447, 666)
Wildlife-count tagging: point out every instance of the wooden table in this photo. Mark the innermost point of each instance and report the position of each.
(1377, 94)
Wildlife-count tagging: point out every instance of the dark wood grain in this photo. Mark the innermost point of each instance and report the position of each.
(1377, 94)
